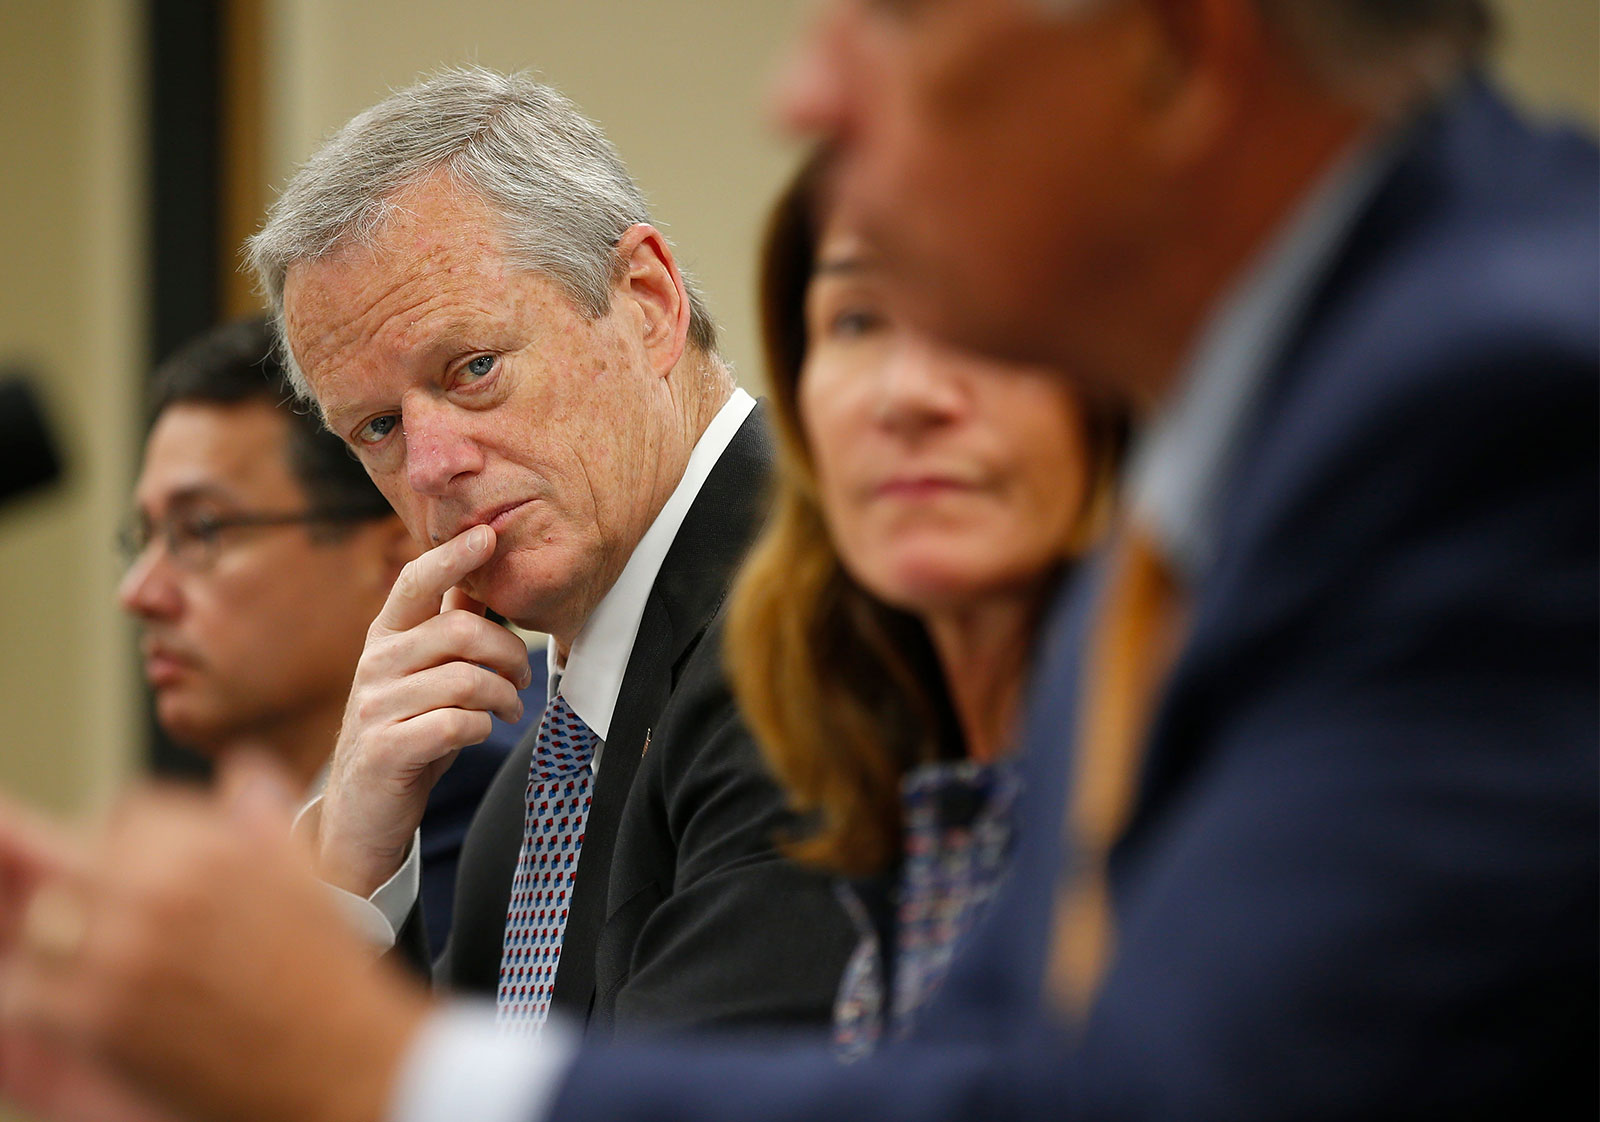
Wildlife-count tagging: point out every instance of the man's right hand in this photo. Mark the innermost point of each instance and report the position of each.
(433, 671)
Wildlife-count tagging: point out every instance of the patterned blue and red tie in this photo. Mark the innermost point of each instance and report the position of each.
(559, 780)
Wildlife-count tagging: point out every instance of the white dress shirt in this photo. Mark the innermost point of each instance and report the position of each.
(591, 677)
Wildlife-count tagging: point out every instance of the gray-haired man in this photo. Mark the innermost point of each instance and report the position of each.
(471, 292)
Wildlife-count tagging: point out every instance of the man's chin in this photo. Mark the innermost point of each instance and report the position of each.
(189, 730)
(498, 587)
(527, 587)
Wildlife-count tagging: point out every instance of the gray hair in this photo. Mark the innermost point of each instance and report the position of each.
(1384, 53)
(557, 186)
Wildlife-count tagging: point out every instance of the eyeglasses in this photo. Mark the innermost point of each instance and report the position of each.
(193, 540)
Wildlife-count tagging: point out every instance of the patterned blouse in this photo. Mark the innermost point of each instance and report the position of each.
(958, 818)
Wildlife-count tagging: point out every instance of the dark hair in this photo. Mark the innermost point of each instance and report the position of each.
(237, 363)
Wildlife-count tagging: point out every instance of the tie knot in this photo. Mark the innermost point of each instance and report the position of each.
(565, 745)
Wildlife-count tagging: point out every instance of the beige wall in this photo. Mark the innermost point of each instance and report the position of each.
(70, 228)
(70, 309)
(1550, 54)
(678, 84)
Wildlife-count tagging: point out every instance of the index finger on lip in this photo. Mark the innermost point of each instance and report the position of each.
(418, 594)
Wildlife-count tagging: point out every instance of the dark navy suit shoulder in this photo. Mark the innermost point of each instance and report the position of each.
(1361, 880)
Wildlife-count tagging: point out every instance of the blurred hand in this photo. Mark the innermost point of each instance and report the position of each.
(54, 1082)
(433, 671)
(188, 955)
(44, 1075)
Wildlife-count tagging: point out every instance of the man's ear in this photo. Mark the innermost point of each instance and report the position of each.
(1200, 73)
(650, 280)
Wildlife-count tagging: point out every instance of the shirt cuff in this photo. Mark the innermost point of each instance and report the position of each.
(379, 917)
(461, 1066)
(395, 897)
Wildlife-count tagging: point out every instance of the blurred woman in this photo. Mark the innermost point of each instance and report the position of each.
(928, 505)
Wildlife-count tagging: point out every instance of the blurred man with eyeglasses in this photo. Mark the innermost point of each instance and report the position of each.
(258, 554)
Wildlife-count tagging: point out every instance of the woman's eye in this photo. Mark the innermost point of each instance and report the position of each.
(478, 367)
(376, 429)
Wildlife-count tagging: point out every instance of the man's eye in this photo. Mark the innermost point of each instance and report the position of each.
(196, 528)
(855, 322)
(376, 429)
(478, 367)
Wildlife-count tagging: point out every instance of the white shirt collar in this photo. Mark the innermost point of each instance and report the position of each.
(592, 676)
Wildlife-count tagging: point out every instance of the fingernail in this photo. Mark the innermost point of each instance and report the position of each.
(478, 539)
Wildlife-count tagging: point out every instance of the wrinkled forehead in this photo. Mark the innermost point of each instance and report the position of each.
(435, 244)
(369, 309)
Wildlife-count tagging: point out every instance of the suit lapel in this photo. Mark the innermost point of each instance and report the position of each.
(646, 685)
(691, 585)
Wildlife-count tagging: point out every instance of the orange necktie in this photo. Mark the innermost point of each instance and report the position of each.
(1132, 644)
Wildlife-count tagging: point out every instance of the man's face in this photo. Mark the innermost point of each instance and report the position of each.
(267, 627)
(475, 393)
(997, 154)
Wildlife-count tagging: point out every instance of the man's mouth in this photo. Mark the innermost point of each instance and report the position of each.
(495, 517)
(163, 666)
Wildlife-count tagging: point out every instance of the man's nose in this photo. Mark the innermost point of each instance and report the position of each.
(440, 449)
(150, 588)
(809, 95)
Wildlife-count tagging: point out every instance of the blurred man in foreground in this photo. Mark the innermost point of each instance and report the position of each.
(259, 554)
(1311, 810)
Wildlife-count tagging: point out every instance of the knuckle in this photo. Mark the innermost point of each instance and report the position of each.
(408, 585)
(461, 628)
(504, 692)
(383, 652)
(365, 708)
(468, 726)
(461, 683)
(511, 652)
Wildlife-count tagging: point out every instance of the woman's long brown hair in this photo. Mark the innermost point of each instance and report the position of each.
(844, 693)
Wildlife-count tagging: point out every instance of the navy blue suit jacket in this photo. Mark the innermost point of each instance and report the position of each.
(1361, 877)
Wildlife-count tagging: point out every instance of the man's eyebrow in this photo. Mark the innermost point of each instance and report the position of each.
(340, 415)
(334, 420)
(848, 265)
(199, 493)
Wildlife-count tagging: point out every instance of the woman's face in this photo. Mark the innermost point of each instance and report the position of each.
(945, 479)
